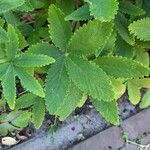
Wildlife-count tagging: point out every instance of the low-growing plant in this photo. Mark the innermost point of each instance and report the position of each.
(90, 48)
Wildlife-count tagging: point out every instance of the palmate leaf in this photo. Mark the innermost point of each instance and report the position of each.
(38, 112)
(9, 86)
(71, 101)
(141, 29)
(109, 110)
(29, 82)
(33, 60)
(6, 5)
(121, 67)
(60, 30)
(81, 13)
(57, 83)
(89, 78)
(12, 44)
(92, 36)
(103, 10)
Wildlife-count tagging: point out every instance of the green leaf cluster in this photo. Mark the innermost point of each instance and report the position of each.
(54, 54)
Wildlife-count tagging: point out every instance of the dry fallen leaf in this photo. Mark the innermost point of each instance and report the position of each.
(9, 141)
(21, 137)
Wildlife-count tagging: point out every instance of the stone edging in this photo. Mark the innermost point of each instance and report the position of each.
(112, 139)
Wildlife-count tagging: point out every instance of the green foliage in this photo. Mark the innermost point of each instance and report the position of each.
(14, 64)
(131, 9)
(134, 87)
(54, 54)
(126, 68)
(145, 102)
(141, 29)
(91, 36)
(109, 110)
(13, 120)
(6, 5)
(103, 10)
(60, 30)
(81, 13)
(78, 70)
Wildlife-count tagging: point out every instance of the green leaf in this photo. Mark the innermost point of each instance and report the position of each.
(3, 35)
(80, 14)
(6, 5)
(108, 47)
(9, 90)
(71, 101)
(22, 120)
(145, 82)
(131, 9)
(141, 29)
(60, 30)
(104, 10)
(26, 7)
(122, 24)
(3, 69)
(33, 60)
(124, 49)
(134, 87)
(145, 100)
(57, 83)
(84, 73)
(29, 82)
(109, 110)
(118, 87)
(22, 41)
(121, 67)
(45, 49)
(146, 7)
(12, 45)
(92, 36)
(37, 4)
(38, 112)
(6, 128)
(2, 22)
(144, 44)
(66, 6)
(25, 101)
(134, 93)
(12, 19)
(142, 56)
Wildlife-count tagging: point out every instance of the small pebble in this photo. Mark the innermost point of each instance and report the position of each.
(73, 128)
(80, 137)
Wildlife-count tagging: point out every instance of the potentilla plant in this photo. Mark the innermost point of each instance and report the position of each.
(96, 50)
